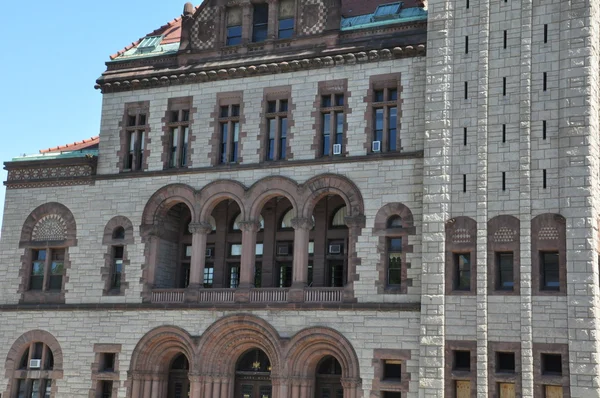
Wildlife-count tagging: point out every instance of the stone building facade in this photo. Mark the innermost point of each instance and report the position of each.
(315, 198)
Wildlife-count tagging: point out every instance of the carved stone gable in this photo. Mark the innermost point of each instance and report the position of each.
(50, 228)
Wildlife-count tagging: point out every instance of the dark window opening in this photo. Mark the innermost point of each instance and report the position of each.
(544, 179)
(106, 387)
(504, 180)
(504, 133)
(466, 90)
(108, 362)
(462, 360)
(465, 136)
(462, 267)
(505, 39)
(260, 22)
(505, 267)
(504, 86)
(464, 183)
(466, 44)
(392, 370)
(394, 261)
(545, 81)
(552, 364)
(545, 33)
(505, 362)
(544, 130)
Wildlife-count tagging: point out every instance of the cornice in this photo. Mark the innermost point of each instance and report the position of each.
(187, 76)
(51, 173)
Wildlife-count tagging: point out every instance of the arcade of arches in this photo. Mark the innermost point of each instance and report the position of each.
(275, 234)
(242, 356)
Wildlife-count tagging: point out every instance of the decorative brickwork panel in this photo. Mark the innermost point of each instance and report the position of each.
(50, 228)
(204, 30)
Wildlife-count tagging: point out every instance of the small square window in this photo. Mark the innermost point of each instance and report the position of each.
(326, 101)
(185, 115)
(174, 116)
(391, 394)
(283, 106)
(462, 360)
(272, 106)
(392, 370)
(142, 120)
(108, 362)
(552, 364)
(224, 111)
(378, 96)
(505, 362)
(235, 110)
(106, 388)
(392, 94)
(339, 99)
(131, 121)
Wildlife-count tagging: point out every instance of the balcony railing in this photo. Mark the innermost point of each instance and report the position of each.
(323, 294)
(216, 295)
(269, 295)
(256, 295)
(168, 295)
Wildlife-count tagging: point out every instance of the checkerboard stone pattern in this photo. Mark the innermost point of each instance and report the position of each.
(313, 17)
(203, 30)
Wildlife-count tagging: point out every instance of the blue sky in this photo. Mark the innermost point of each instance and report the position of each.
(53, 53)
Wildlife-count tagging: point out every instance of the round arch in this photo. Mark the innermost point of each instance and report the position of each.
(162, 200)
(217, 191)
(393, 209)
(328, 184)
(114, 223)
(18, 349)
(154, 352)
(50, 208)
(307, 347)
(224, 341)
(268, 188)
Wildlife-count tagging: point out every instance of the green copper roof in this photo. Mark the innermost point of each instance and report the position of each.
(386, 14)
(57, 155)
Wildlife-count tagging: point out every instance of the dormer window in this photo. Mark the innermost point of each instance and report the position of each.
(234, 26)
(286, 19)
(260, 22)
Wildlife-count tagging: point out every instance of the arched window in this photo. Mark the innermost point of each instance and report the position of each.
(179, 385)
(286, 220)
(118, 233)
(339, 218)
(253, 375)
(213, 223)
(34, 362)
(328, 378)
(393, 225)
(47, 234)
(394, 222)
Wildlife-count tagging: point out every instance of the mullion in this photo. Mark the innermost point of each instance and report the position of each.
(47, 269)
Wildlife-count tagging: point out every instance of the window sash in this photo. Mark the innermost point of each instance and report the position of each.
(505, 266)
(550, 271)
(462, 264)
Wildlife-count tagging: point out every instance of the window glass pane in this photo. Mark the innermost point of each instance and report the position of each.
(22, 390)
(378, 96)
(379, 124)
(283, 138)
(271, 141)
(259, 249)
(286, 28)
(271, 106)
(224, 134)
(339, 218)
(326, 101)
(236, 250)
(393, 120)
(283, 106)
(48, 391)
(504, 262)
(183, 159)
(235, 110)
(286, 221)
(234, 276)
(260, 22)
(208, 275)
(326, 132)
(392, 94)
(339, 123)
(395, 244)
(311, 247)
(35, 388)
(174, 116)
(131, 120)
(185, 115)
(234, 35)
(463, 271)
(174, 142)
(550, 271)
(142, 119)
(339, 99)
(224, 111)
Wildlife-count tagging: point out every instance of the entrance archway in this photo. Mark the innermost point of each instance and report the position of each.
(328, 379)
(179, 384)
(253, 375)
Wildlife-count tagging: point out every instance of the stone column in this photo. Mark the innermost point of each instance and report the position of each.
(302, 227)
(156, 384)
(136, 386)
(273, 11)
(147, 386)
(216, 388)
(195, 386)
(199, 232)
(208, 383)
(355, 224)
(150, 235)
(248, 260)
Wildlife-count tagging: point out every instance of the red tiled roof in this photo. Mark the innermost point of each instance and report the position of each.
(171, 32)
(350, 8)
(75, 146)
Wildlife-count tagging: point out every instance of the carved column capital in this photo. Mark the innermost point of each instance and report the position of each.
(351, 383)
(249, 225)
(150, 230)
(357, 221)
(200, 228)
(302, 223)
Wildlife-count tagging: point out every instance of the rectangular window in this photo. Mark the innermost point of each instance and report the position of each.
(466, 90)
(544, 130)
(544, 179)
(277, 126)
(464, 183)
(465, 136)
(392, 370)
(284, 278)
(505, 39)
(504, 133)
(462, 269)
(332, 124)
(209, 273)
(545, 81)
(385, 123)
(229, 124)
(108, 362)
(106, 386)
(466, 44)
(504, 86)
(549, 270)
(234, 275)
(286, 19)
(545, 33)
(36, 280)
(260, 22)
(234, 26)
(117, 270)
(552, 364)
(136, 136)
(394, 261)
(47, 269)
(179, 129)
(504, 180)
(505, 362)
(505, 273)
(461, 360)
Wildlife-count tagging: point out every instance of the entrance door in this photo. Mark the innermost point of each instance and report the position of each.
(179, 383)
(253, 375)
(328, 379)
